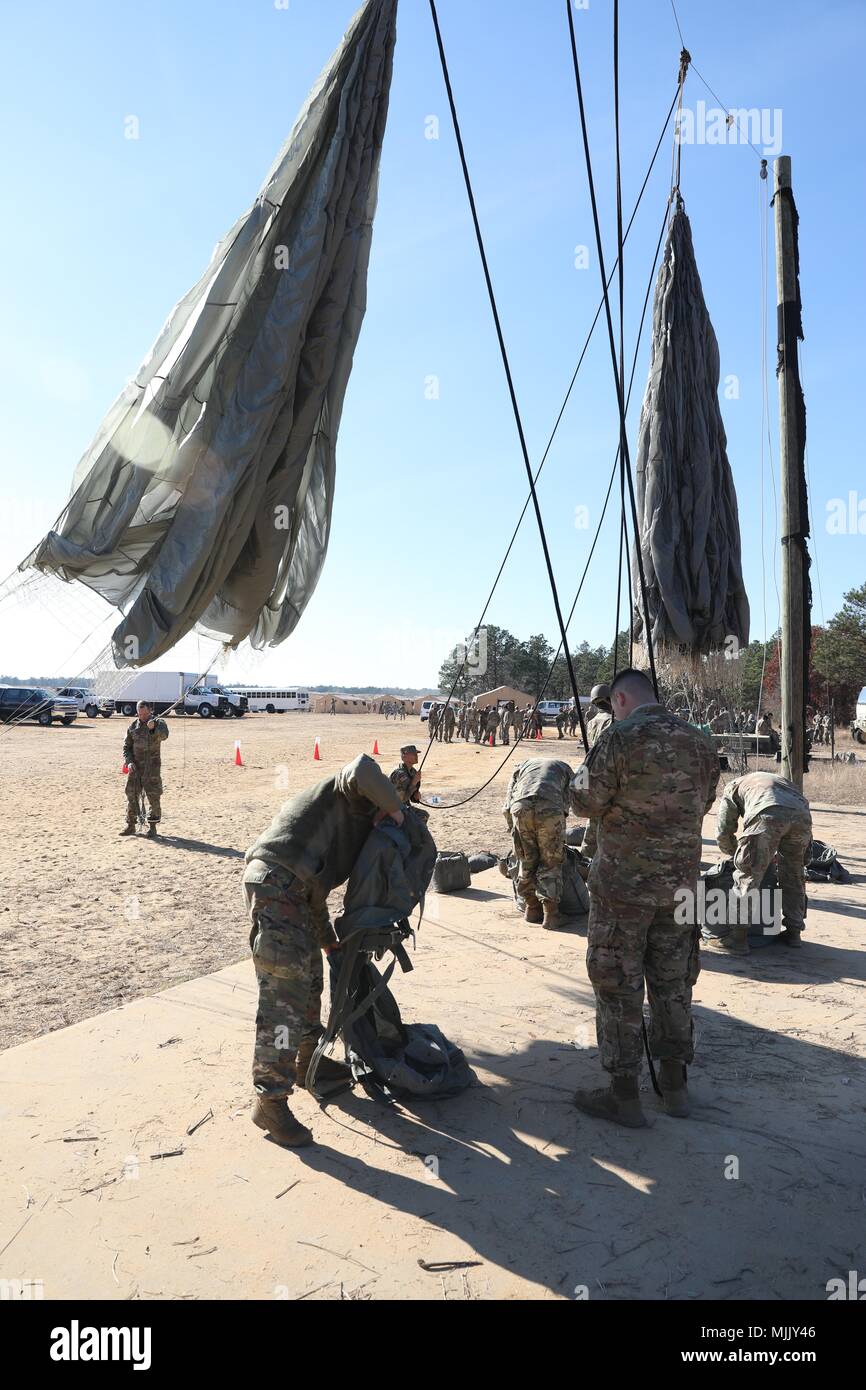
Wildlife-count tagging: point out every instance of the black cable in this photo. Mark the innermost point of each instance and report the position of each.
(462, 667)
(452, 805)
(617, 378)
(583, 353)
(507, 367)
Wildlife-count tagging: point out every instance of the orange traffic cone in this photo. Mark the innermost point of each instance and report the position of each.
(376, 753)
(492, 741)
(125, 769)
(538, 733)
(239, 762)
(317, 757)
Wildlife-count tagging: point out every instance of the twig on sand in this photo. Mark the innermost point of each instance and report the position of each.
(287, 1189)
(447, 1266)
(338, 1256)
(169, 1153)
(203, 1121)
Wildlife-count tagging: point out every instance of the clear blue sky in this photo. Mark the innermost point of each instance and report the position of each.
(103, 234)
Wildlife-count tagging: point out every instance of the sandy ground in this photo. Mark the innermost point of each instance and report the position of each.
(507, 1176)
(90, 921)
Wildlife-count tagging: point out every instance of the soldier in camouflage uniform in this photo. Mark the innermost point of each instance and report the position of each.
(648, 781)
(561, 720)
(505, 724)
(776, 820)
(309, 849)
(432, 721)
(450, 722)
(536, 805)
(405, 778)
(491, 724)
(601, 720)
(142, 753)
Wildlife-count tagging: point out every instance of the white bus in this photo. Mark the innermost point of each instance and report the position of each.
(273, 700)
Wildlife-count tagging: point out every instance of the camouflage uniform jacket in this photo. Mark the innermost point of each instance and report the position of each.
(748, 797)
(319, 833)
(542, 781)
(402, 779)
(597, 726)
(650, 780)
(143, 746)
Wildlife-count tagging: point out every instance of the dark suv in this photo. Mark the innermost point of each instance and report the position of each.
(20, 703)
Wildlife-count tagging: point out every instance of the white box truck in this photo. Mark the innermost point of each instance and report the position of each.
(161, 690)
(187, 692)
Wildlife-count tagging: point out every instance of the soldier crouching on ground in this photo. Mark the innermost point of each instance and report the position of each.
(309, 849)
(406, 779)
(535, 809)
(649, 781)
(142, 753)
(776, 820)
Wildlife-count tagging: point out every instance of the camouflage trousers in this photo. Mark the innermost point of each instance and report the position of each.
(288, 959)
(789, 835)
(539, 843)
(629, 944)
(151, 785)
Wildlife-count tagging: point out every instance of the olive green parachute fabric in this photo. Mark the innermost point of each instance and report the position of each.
(205, 498)
(689, 529)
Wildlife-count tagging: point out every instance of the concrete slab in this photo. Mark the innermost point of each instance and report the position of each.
(504, 1192)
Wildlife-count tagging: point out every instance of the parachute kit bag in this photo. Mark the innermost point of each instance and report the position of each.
(451, 872)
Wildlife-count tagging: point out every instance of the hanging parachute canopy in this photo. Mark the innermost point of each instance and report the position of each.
(205, 498)
(686, 502)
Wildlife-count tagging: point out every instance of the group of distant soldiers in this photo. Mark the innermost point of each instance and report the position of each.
(492, 724)
(392, 709)
(821, 728)
(730, 721)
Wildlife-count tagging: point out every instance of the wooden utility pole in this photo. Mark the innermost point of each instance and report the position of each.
(796, 625)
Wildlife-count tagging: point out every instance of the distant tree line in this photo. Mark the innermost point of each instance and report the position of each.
(749, 680)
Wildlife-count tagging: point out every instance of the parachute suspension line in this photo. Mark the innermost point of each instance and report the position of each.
(507, 367)
(559, 417)
(452, 805)
(623, 538)
(677, 152)
(617, 379)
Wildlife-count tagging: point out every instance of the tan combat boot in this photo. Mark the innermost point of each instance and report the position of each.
(152, 831)
(791, 936)
(128, 830)
(675, 1093)
(552, 920)
(736, 943)
(619, 1102)
(303, 1060)
(276, 1117)
(533, 911)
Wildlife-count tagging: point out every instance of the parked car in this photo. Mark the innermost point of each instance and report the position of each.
(86, 702)
(19, 703)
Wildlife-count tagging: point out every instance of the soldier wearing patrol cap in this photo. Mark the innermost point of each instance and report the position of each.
(405, 778)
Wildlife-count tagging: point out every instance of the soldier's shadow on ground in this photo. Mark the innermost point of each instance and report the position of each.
(530, 1185)
(200, 846)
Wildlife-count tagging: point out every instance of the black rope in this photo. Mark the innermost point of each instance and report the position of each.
(507, 366)
(617, 378)
(452, 805)
(559, 417)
